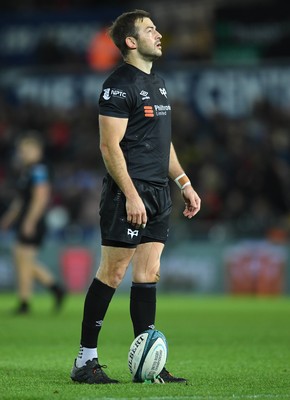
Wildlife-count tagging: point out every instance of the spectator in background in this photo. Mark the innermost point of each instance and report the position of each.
(102, 53)
(27, 212)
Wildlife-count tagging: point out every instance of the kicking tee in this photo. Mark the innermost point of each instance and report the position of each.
(142, 98)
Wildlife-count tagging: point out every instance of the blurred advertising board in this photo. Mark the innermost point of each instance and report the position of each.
(256, 267)
(242, 267)
(232, 91)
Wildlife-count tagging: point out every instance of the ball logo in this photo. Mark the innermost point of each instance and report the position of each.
(157, 359)
(133, 351)
(147, 355)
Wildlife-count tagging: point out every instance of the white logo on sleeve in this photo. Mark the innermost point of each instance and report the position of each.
(163, 92)
(106, 94)
(132, 233)
(118, 93)
(109, 92)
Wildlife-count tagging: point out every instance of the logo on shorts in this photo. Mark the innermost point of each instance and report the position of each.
(132, 233)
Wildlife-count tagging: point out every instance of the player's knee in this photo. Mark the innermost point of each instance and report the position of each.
(111, 278)
(115, 279)
(154, 276)
(157, 276)
(147, 276)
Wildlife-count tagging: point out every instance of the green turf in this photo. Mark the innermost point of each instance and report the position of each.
(228, 348)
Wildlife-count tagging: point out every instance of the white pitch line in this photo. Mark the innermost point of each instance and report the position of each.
(228, 397)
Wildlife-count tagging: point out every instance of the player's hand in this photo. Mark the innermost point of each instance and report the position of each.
(192, 202)
(136, 212)
(28, 228)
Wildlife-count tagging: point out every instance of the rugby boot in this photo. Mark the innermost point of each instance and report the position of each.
(91, 373)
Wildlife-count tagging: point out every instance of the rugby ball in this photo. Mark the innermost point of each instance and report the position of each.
(147, 355)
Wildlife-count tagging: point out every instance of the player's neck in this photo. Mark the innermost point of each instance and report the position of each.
(143, 65)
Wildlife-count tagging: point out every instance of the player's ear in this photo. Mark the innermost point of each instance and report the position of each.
(131, 42)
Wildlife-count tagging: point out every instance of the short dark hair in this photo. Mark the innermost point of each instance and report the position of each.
(124, 26)
(31, 137)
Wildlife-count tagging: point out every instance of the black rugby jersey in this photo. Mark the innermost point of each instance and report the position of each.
(142, 98)
(31, 176)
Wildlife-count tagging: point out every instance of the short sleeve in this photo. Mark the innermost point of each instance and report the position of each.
(115, 102)
(39, 174)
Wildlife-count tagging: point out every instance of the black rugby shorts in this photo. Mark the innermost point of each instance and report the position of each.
(116, 231)
(35, 240)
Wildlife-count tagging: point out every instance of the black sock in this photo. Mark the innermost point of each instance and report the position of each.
(23, 306)
(96, 304)
(143, 306)
(56, 288)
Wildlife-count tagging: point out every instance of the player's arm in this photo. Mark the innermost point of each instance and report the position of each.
(38, 204)
(112, 130)
(11, 214)
(191, 198)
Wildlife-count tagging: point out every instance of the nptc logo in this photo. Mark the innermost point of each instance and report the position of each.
(132, 233)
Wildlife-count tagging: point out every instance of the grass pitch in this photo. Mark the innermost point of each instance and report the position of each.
(228, 348)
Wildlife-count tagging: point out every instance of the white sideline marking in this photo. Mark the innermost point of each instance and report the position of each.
(228, 397)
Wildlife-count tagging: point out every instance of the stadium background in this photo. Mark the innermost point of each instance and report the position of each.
(228, 74)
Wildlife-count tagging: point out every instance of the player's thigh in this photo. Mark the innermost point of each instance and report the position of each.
(113, 264)
(24, 254)
(146, 262)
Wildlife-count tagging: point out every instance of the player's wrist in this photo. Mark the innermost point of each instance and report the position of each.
(132, 196)
(182, 181)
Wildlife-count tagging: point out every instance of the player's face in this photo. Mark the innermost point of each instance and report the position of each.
(28, 153)
(149, 40)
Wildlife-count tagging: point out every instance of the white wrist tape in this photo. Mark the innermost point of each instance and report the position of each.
(182, 181)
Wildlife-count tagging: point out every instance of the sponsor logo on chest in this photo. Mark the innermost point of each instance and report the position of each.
(157, 110)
